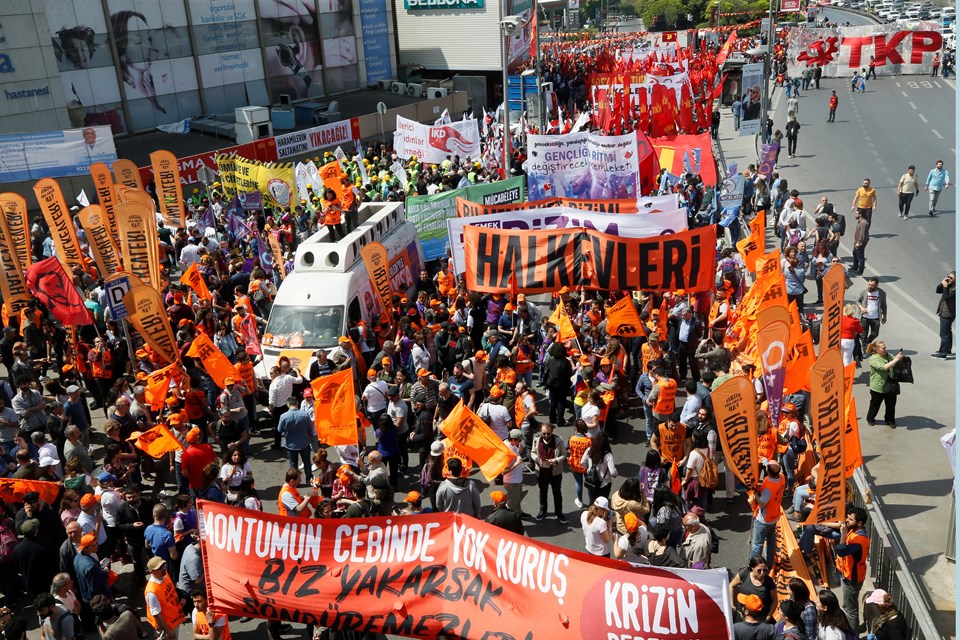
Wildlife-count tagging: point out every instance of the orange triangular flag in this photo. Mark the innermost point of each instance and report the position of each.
(214, 362)
(157, 385)
(477, 441)
(565, 330)
(156, 442)
(623, 319)
(193, 279)
(335, 408)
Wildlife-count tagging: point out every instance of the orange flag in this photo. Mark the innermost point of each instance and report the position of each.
(101, 238)
(565, 330)
(754, 245)
(478, 441)
(55, 212)
(106, 194)
(802, 358)
(192, 278)
(834, 285)
(135, 221)
(13, 283)
(734, 404)
(157, 385)
(789, 561)
(156, 442)
(852, 454)
(169, 193)
(148, 316)
(451, 450)
(662, 321)
(214, 362)
(623, 319)
(335, 408)
(826, 413)
(12, 490)
(125, 173)
(377, 262)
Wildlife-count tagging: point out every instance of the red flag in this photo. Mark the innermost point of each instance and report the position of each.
(533, 38)
(686, 109)
(717, 90)
(55, 289)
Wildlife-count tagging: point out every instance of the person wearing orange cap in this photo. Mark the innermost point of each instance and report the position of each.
(91, 519)
(414, 502)
(503, 517)
(632, 547)
(752, 627)
(91, 577)
(194, 459)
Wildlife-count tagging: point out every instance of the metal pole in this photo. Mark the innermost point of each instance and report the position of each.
(506, 101)
(767, 71)
(539, 60)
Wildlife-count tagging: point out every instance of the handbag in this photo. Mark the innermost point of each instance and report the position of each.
(903, 370)
(891, 386)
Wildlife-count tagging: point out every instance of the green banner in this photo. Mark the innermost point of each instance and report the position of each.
(430, 213)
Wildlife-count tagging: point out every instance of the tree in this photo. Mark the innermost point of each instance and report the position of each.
(649, 10)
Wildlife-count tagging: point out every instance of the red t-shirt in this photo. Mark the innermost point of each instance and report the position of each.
(193, 461)
(849, 328)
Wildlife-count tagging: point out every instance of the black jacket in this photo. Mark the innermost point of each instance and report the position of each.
(505, 519)
(947, 307)
(556, 373)
(127, 515)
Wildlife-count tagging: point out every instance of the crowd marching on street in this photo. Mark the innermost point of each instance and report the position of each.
(545, 373)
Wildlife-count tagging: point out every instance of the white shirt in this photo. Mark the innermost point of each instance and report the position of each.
(593, 535)
(281, 388)
(498, 417)
(190, 254)
(110, 501)
(153, 602)
(515, 475)
(236, 473)
(396, 410)
(375, 395)
(690, 407)
(87, 524)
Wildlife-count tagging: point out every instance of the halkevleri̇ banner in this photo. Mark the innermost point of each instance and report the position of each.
(650, 204)
(434, 143)
(430, 213)
(54, 154)
(639, 225)
(582, 165)
(445, 574)
(545, 260)
(13, 284)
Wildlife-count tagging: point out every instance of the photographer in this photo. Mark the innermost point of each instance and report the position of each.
(947, 311)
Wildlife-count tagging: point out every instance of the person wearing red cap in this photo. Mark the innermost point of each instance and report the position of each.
(194, 459)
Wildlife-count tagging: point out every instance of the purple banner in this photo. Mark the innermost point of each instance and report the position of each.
(768, 159)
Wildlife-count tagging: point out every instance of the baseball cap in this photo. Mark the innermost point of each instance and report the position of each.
(878, 597)
(436, 449)
(601, 502)
(88, 499)
(516, 434)
(422, 372)
(371, 372)
(174, 418)
(308, 393)
(498, 496)
(156, 562)
(228, 381)
(413, 496)
(393, 390)
(631, 522)
(106, 476)
(31, 496)
(88, 540)
(29, 526)
(193, 435)
(480, 355)
(751, 602)
(73, 388)
(385, 360)
(496, 392)
(344, 340)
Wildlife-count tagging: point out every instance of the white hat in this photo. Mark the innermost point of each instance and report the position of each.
(436, 449)
(602, 502)
(73, 388)
(48, 459)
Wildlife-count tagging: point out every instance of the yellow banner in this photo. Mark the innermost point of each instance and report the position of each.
(277, 185)
(106, 194)
(247, 174)
(57, 215)
(125, 172)
(101, 239)
(227, 168)
(166, 175)
(377, 262)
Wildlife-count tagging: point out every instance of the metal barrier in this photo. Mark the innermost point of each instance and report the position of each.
(888, 567)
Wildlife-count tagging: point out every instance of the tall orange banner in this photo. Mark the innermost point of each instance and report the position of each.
(136, 224)
(377, 262)
(101, 240)
(827, 416)
(106, 194)
(445, 575)
(14, 208)
(754, 245)
(125, 172)
(478, 441)
(192, 278)
(623, 320)
(789, 562)
(773, 344)
(834, 285)
(148, 315)
(13, 283)
(852, 453)
(735, 406)
(277, 252)
(335, 409)
(57, 215)
(801, 360)
(212, 359)
(468, 209)
(545, 260)
(166, 173)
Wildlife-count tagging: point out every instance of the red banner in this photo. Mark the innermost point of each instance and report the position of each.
(444, 574)
(51, 285)
(698, 149)
(263, 150)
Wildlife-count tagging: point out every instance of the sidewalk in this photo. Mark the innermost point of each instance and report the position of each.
(921, 533)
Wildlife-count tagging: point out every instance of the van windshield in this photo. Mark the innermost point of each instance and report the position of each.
(306, 327)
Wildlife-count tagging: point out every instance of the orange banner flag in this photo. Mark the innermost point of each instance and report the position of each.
(377, 262)
(156, 442)
(451, 450)
(169, 192)
(13, 283)
(125, 173)
(13, 490)
(57, 215)
(134, 222)
(735, 407)
(775, 293)
(277, 252)
(565, 329)
(157, 385)
(623, 320)
(789, 561)
(214, 362)
(193, 279)
(768, 264)
(826, 413)
(662, 320)
(331, 174)
(106, 194)
(477, 441)
(335, 408)
(852, 453)
(100, 238)
(14, 208)
(754, 245)
(802, 358)
(148, 315)
(834, 287)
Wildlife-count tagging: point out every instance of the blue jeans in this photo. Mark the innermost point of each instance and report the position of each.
(764, 533)
(806, 538)
(294, 456)
(648, 419)
(578, 484)
(790, 465)
(800, 496)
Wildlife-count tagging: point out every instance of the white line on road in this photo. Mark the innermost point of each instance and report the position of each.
(898, 84)
(933, 247)
(904, 93)
(936, 133)
(883, 168)
(922, 117)
(922, 231)
(912, 106)
(938, 84)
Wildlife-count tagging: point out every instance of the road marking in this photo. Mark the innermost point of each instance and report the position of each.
(936, 133)
(922, 118)
(883, 168)
(926, 84)
(922, 231)
(904, 93)
(898, 83)
(938, 84)
(913, 85)
(933, 247)
(912, 106)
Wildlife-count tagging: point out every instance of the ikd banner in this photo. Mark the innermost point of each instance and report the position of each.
(445, 575)
(582, 165)
(54, 154)
(752, 86)
(768, 159)
(734, 403)
(829, 422)
(169, 193)
(640, 225)
(430, 213)
(434, 143)
(545, 260)
(653, 204)
(845, 50)
(834, 286)
(13, 284)
(773, 340)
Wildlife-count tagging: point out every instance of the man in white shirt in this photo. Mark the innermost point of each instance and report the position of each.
(513, 475)
(375, 397)
(110, 501)
(190, 253)
(281, 388)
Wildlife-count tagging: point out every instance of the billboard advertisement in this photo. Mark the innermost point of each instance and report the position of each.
(54, 154)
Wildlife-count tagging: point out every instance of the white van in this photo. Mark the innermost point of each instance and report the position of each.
(329, 289)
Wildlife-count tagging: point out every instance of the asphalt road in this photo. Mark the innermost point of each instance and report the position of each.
(898, 122)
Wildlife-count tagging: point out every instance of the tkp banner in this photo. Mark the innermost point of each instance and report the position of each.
(846, 50)
(434, 143)
(445, 575)
(582, 165)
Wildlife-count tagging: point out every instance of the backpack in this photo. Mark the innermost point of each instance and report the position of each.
(799, 443)
(592, 478)
(77, 626)
(8, 542)
(709, 475)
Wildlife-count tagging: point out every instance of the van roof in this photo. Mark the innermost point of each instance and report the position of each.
(376, 221)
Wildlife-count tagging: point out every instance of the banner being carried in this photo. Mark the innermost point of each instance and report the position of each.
(652, 204)
(433, 144)
(582, 165)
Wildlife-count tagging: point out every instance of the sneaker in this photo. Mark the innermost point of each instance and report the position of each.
(541, 516)
(892, 424)
(871, 422)
(578, 503)
(930, 213)
(562, 519)
(940, 356)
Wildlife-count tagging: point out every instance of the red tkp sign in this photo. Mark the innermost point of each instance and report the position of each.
(789, 6)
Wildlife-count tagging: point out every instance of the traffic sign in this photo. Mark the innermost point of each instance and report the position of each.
(116, 289)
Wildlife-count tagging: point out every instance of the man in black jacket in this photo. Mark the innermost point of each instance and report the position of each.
(133, 516)
(688, 333)
(947, 310)
(503, 517)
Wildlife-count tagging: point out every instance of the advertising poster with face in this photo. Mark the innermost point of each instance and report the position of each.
(291, 46)
(340, 56)
(752, 85)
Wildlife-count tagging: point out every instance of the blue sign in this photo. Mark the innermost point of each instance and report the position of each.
(376, 40)
(115, 290)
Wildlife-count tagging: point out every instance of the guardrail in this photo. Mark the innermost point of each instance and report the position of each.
(888, 567)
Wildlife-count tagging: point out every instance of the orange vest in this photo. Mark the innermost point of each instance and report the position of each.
(331, 215)
(170, 609)
(576, 447)
(524, 364)
(203, 627)
(783, 429)
(773, 509)
(282, 509)
(767, 445)
(445, 283)
(671, 442)
(245, 369)
(715, 313)
(193, 404)
(648, 353)
(101, 366)
(519, 411)
(849, 568)
(666, 397)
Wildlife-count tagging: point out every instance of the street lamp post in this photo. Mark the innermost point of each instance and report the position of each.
(508, 25)
(767, 72)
